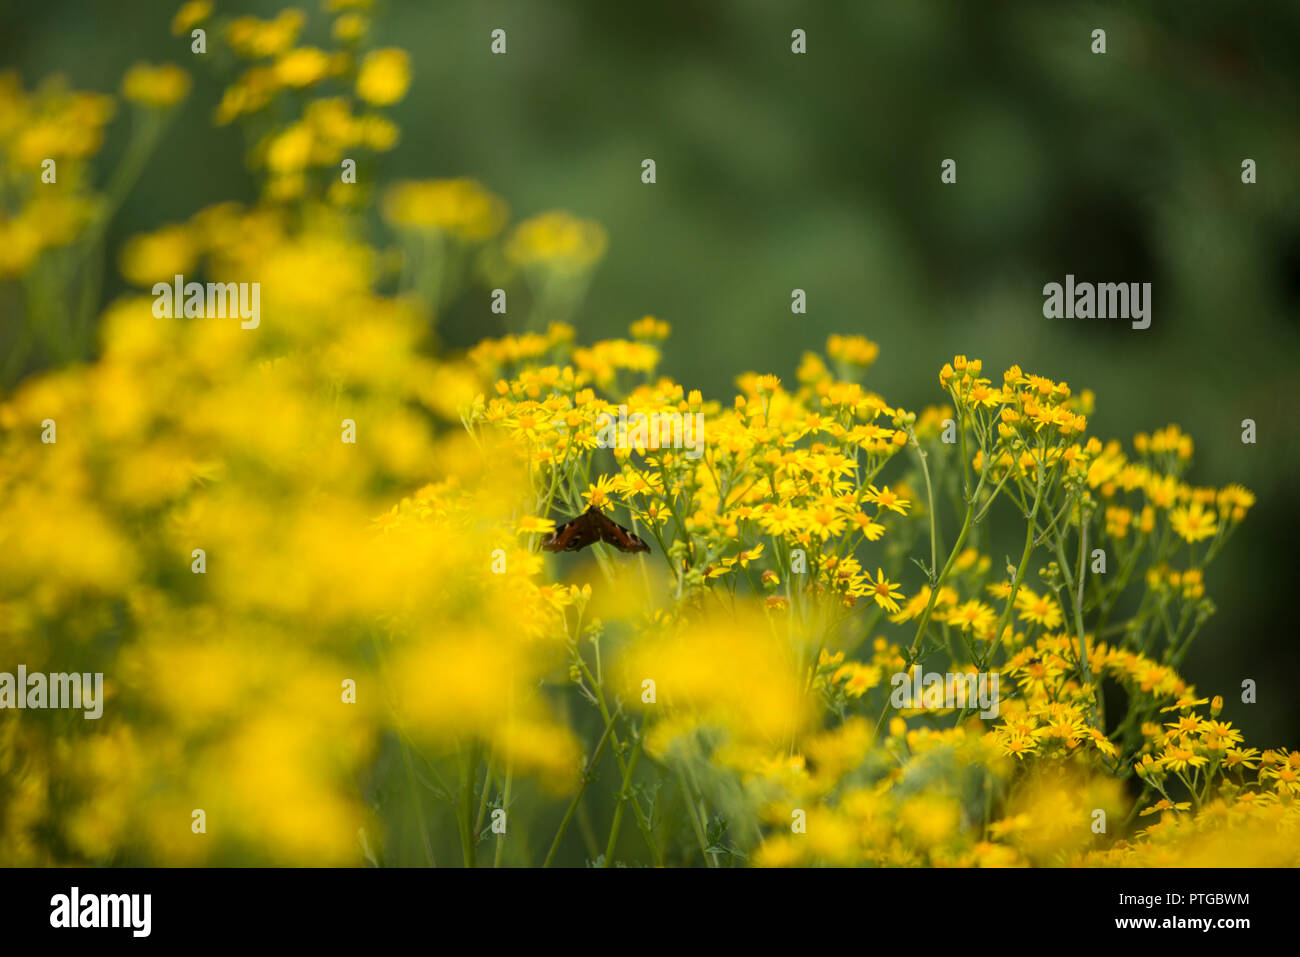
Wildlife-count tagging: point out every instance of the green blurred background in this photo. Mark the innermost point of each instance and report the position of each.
(821, 172)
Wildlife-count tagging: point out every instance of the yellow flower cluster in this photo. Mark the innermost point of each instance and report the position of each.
(49, 125)
(234, 532)
(337, 124)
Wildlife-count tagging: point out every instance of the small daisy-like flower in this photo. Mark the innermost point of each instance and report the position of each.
(885, 592)
(533, 525)
(1178, 758)
(825, 522)
(1019, 746)
(599, 493)
(1286, 777)
(780, 520)
(1187, 724)
(1101, 742)
(1247, 758)
(1040, 609)
(1193, 522)
(858, 678)
(973, 615)
(886, 499)
(558, 596)
(1000, 589)
(869, 526)
(1164, 804)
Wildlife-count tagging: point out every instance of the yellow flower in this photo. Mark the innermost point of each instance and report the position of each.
(1040, 609)
(302, 67)
(458, 206)
(1018, 746)
(728, 671)
(1175, 757)
(885, 592)
(648, 327)
(1193, 522)
(1164, 804)
(19, 247)
(886, 499)
(858, 678)
(379, 133)
(190, 15)
(384, 76)
(871, 529)
(532, 525)
(251, 92)
(854, 350)
(290, 150)
(349, 28)
(598, 495)
(1234, 501)
(158, 256)
(930, 819)
(255, 39)
(156, 86)
(974, 615)
(556, 239)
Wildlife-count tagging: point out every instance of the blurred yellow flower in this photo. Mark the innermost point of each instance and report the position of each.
(557, 239)
(190, 15)
(156, 86)
(160, 255)
(650, 328)
(384, 76)
(256, 39)
(302, 66)
(349, 28)
(290, 150)
(461, 207)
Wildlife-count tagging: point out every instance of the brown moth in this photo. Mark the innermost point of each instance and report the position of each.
(592, 526)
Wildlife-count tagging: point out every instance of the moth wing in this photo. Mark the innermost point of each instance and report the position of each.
(559, 540)
(618, 536)
(573, 535)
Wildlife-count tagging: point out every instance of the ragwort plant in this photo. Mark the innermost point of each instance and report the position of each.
(354, 651)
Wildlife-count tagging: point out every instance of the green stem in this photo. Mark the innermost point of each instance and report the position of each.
(623, 794)
(643, 823)
(582, 787)
(465, 806)
(689, 799)
(505, 806)
(415, 799)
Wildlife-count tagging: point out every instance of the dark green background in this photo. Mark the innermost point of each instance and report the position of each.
(821, 172)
